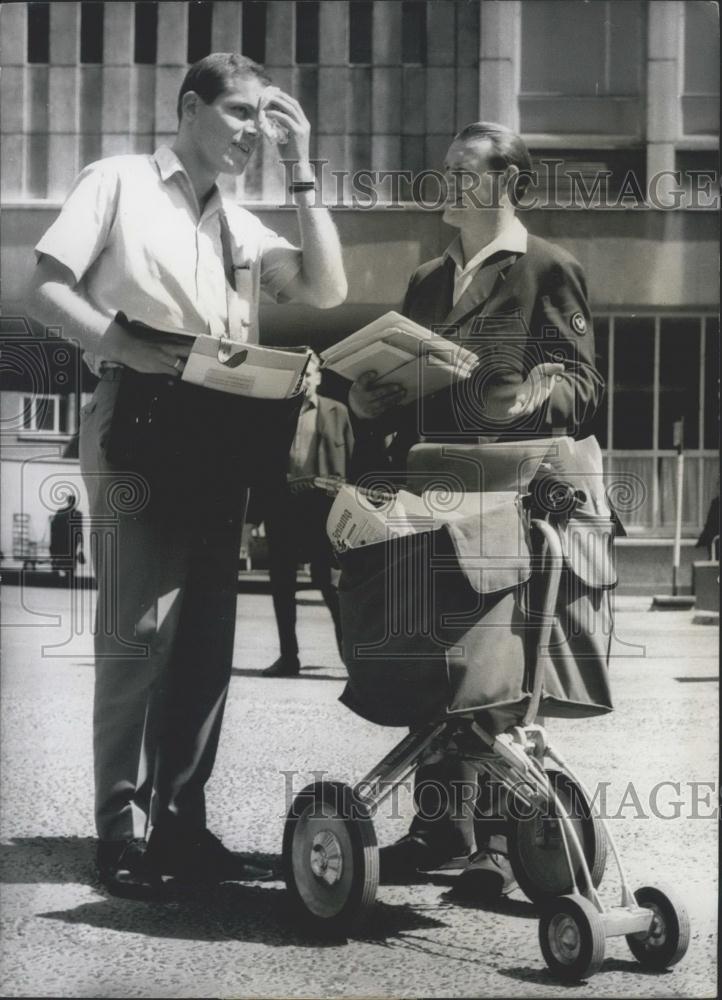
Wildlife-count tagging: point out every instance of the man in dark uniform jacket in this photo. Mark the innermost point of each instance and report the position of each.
(521, 304)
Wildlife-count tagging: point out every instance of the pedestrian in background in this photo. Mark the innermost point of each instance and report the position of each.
(295, 519)
(66, 538)
(709, 536)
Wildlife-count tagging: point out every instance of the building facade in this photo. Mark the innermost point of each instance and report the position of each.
(622, 90)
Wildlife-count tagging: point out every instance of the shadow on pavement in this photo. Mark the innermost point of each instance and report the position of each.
(222, 913)
(30, 860)
(423, 878)
(47, 859)
(390, 920)
(218, 913)
(633, 967)
(543, 976)
(230, 912)
(306, 674)
(399, 927)
(505, 906)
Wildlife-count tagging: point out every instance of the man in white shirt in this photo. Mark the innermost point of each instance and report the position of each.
(150, 238)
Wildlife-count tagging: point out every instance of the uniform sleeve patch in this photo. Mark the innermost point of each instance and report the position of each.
(579, 324)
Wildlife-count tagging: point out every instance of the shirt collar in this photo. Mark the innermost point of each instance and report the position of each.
(513, 238)
(169, 165)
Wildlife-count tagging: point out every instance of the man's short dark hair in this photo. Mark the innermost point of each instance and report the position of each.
(508, 149)
(215, 74)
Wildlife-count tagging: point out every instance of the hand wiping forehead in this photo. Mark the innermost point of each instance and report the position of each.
(272, 130)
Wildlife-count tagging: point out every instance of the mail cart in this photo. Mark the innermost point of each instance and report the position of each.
(495, 612)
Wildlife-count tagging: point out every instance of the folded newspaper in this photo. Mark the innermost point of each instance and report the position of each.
(402, 351)
(357, 518)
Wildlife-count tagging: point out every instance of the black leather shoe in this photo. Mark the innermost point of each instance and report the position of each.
(200, 858)
(124, 869)
(283, 667)
(401, 863)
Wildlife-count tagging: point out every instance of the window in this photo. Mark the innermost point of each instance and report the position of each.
(589, 49)
(91, 32)
(658, 370)
(413, 31)
(146, 32)
(360, 42)
(592, 178)
(38, 32)
(306, 31)
(254, 30)
(679, 382)
(46, 414)
(701, 48)
(633, 383)
(200, 16)
(582, 67)
(711, 388)
(700, 176)
(598, 424)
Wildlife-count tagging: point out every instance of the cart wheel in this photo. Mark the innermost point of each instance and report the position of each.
(667, 940)
(330, 858)
(572, 939)
(536, 849)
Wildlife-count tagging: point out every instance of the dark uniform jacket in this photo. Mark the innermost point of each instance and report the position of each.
(520, 310)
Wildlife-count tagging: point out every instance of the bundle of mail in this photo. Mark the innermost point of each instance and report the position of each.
(359, 517)
(403, 352)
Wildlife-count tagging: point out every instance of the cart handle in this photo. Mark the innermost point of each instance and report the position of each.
(552, 556)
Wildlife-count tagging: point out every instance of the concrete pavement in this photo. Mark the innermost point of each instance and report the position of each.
(63, 937)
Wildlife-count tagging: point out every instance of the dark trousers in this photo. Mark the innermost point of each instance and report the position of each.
(166, 615)
(296, 532)
(456, 811)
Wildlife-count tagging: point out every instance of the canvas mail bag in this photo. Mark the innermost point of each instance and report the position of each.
(196, 445)
(448, 621)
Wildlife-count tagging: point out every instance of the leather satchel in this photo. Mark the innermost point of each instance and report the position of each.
(197, 445)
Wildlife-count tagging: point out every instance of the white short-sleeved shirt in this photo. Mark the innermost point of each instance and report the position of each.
(131, 233)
